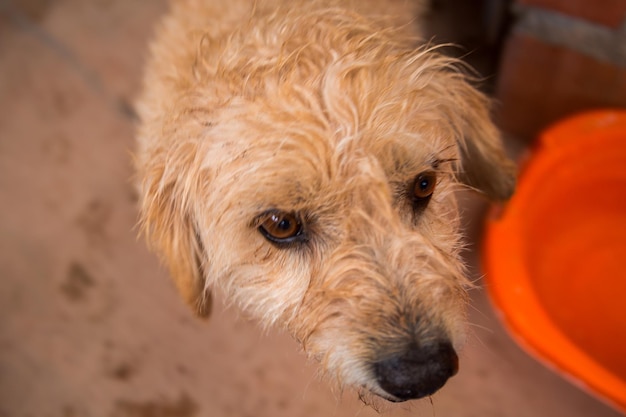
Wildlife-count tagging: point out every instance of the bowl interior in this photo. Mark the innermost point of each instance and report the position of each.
(555, 259)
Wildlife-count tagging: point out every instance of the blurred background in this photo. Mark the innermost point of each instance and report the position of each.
(90, 324)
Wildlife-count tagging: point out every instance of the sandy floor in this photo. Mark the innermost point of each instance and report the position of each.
(90, 324)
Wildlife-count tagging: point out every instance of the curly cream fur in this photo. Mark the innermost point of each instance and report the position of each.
(328, 109)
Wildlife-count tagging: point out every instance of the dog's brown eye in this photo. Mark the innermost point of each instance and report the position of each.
(280, 227)
(424, 185)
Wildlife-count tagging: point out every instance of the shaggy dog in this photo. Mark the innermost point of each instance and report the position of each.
(302, 157)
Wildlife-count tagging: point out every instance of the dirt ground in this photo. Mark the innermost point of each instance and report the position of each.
(90, 324)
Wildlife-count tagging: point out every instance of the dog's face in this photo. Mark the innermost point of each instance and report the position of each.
(319, 196)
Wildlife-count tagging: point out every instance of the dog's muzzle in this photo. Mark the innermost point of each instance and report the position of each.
(418, 372)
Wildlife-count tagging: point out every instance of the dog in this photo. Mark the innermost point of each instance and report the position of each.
(302, 158)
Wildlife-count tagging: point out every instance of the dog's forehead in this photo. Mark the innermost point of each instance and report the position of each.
(276, 137)
(285, 159)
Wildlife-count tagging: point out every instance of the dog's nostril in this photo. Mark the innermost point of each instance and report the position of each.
(419, 372)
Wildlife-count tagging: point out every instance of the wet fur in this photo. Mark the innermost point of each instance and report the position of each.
(330, 110)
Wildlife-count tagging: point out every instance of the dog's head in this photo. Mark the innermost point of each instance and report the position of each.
(314, 185)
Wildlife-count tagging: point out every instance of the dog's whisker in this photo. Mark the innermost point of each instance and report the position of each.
(481, 327)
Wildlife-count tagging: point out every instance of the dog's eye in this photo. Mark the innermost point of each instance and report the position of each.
(424, 185)
(279, 227)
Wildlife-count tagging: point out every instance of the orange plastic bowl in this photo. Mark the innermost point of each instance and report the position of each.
(555, 259)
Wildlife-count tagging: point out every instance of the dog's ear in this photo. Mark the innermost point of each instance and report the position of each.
(484, 165)
(167, 223)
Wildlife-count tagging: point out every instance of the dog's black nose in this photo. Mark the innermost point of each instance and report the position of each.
(418, 372)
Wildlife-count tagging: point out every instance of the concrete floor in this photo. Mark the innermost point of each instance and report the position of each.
(90, 324)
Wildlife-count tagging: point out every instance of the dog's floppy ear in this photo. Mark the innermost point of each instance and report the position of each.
(166, 221)
(484, 165)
